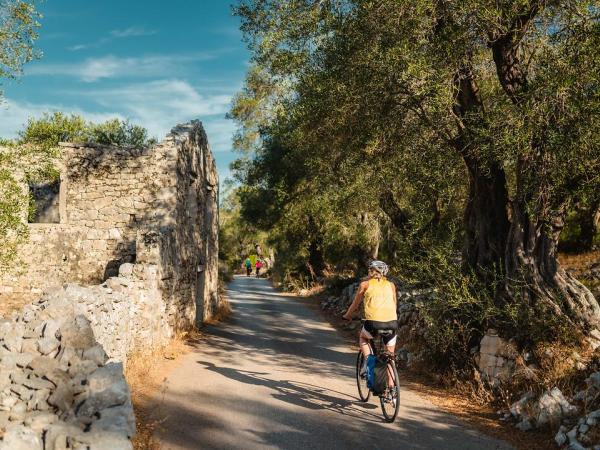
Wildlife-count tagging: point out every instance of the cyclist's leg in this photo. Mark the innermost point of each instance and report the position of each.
(365, 338)
(364, 341)
(390, 346)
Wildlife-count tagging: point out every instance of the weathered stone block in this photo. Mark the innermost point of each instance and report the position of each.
(19, 437)
(77, 334)
(496, 357)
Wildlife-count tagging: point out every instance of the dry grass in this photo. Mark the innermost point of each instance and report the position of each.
(578, 264)
(223, 310)
(146, 375)
(312, 291)
(480, 416)
(580, 261)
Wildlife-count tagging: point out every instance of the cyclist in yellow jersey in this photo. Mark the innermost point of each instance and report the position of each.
(379, 295)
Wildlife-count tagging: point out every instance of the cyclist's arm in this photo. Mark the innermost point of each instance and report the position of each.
(357, 299)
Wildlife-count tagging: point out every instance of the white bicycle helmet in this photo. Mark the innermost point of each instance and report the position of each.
(379, 266)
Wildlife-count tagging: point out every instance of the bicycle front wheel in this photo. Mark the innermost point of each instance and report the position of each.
(390, 399)
(361, 379)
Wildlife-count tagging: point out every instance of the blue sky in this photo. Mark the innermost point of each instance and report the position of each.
(157, 63)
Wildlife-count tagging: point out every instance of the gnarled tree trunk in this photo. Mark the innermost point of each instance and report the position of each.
(532, 268)
(485, 217)
(533, 272)
(486, 220)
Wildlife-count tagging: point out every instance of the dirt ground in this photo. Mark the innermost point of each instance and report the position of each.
(8, 306)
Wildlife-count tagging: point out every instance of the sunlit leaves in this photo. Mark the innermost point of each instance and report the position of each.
(18, 25)
(369, 105)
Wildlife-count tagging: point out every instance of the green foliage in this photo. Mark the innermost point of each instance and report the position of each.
(365, 125)
(18, 25)
(47, 131)
(13, 230)
(17, 164)
(119, 132)
(460, 309)
(456, 315)
(237, 237)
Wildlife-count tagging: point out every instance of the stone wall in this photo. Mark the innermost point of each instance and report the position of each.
(57, 388)
(114, 204)
(139, 228)
(126, 312)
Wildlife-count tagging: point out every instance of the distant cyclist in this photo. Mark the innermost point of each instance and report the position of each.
(379, 295)
(248, 264)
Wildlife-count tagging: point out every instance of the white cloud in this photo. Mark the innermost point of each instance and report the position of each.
(159, 105)
(132, 32)
(75, 48)
(220, 132)
(110, 66)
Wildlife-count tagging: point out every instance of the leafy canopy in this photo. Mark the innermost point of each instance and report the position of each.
(18, 32)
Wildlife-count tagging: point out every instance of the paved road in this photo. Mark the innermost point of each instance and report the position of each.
(277, 376)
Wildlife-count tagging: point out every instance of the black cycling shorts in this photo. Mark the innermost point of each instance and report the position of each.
(371, 327)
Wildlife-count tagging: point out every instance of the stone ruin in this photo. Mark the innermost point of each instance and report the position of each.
(152, 206)
(123, 255)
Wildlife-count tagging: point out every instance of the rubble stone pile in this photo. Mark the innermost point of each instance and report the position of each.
(57, 388)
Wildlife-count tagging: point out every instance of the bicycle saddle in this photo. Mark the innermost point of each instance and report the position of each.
(385, 332)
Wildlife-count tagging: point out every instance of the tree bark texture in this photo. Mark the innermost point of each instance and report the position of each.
(485, 217)
(486, 220)
(533, 272)
(589, 218)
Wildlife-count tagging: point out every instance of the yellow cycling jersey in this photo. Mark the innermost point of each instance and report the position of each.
(380, 304)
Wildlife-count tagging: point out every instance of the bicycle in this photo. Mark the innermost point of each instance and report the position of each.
(390, 398)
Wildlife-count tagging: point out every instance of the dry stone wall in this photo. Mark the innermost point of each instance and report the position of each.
(138, 228)
(57, 388)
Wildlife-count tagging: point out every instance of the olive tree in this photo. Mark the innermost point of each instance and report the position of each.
(500, 98)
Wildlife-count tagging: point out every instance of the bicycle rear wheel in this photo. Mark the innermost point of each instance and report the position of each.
(361, 379)
(390, 400)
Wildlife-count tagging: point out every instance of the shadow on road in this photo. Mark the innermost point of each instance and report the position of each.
(303, 399)
(300, 394)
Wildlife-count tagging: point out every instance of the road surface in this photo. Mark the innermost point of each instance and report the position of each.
(277, 376)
